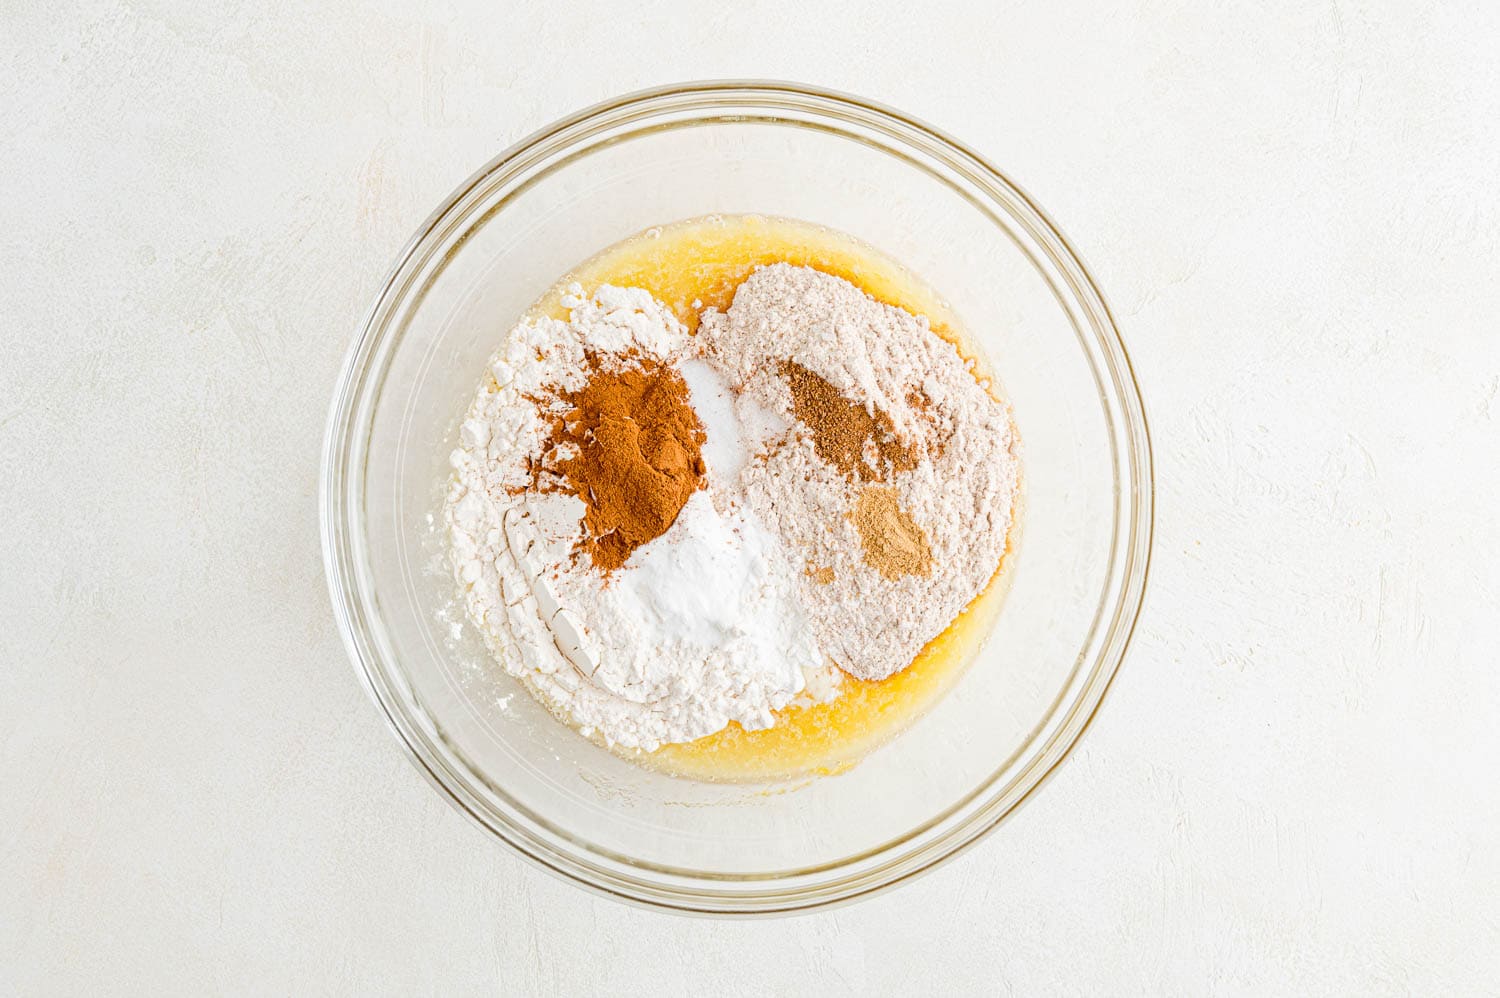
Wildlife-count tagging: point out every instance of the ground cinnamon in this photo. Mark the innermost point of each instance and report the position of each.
(636, 454)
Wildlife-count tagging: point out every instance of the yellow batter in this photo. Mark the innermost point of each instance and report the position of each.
(696, 264)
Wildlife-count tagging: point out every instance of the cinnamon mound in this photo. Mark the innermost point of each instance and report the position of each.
(636, 456)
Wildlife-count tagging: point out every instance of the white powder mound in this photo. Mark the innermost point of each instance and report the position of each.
(699, 627)
(961, 492)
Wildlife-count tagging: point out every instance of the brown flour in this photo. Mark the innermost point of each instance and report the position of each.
(894, 545)
(636, 453)
(897, 475)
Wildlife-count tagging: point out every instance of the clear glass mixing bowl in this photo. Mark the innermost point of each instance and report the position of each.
(1075, 587)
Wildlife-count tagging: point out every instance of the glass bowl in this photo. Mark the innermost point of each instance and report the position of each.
(1076, 578)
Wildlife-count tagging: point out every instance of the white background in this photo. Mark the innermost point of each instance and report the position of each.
(1292, 208)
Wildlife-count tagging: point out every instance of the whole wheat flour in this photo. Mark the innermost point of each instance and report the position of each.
(896, 482)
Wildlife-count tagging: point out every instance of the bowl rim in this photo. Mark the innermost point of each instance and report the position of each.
(338, 517)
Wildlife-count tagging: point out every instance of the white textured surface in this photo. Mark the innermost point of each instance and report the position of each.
(1293, 208)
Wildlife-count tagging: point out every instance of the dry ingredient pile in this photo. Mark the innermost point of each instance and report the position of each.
(662, 533)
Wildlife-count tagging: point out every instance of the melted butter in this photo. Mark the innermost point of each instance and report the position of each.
(697, 264)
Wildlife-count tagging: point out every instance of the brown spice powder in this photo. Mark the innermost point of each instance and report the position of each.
(841, 429)
(894, 545)
(921, 404)
(639, 454)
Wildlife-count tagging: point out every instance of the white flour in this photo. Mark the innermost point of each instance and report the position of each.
(699, 627)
